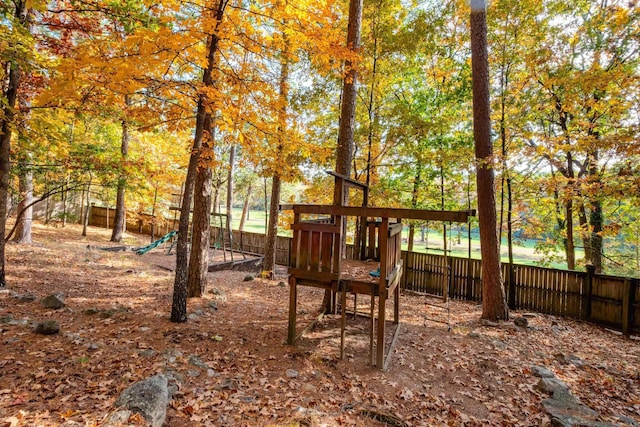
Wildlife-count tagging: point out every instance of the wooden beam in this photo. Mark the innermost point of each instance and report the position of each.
(348, 182)
(371, 212)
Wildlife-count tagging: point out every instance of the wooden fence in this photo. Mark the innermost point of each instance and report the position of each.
(610, 301)
(135, 222)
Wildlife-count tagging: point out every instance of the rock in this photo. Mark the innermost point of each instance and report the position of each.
(225, 384)
(53, 302)
(629, 421)
(308, 387)
(118, 418)
(213, 306)
(248, 278)
(282, 284)
(542, 372)
(6, 319)
(91, 311)
(566, 411)
(148, 352)
(48, 327)
(499, 344)
(219, 295)
(26, 298)
(291, 373)
(148, 398)
(521, 321)
(196, 361)
(485, 322)
(552, 386)
(474, 335)
(193, 373)
(569, 359)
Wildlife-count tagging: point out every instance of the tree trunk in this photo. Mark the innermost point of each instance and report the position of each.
(245, 209)
(346, 129)
(232, 161)
(494, 306)
(23, 228)
(344, 149)
(585, 234)
(119, 222)
(9, 96)
(269, 263)
(595, 215)
(87, 210)
(179, 304)
(417, 182)
(199, 257)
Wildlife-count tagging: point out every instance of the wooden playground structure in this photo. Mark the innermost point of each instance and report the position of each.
(317, 258)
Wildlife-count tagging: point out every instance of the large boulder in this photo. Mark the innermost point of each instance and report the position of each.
(149, 398)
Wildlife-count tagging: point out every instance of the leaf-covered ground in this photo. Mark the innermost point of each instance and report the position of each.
(232, 367)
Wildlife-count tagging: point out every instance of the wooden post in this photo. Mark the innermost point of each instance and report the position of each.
(383, 233)
(628, 297)
(293, 299)
(586, 303)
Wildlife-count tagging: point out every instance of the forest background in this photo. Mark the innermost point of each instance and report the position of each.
(100, 103)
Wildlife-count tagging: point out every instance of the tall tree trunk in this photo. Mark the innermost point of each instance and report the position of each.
(23, 228)
(417, 183)
(10, 96)
(494, 306)
(245, 208)
(200, 235)
(585, 234)
(119, 221)
(346, 129)
(230, 184)
(87, 210)
(203, 119)
(269, 263)
(595, 215)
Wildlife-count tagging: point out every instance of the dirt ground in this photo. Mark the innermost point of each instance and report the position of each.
(231, 364)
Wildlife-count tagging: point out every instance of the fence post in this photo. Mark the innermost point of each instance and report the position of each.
(586, 304)
(628, 296)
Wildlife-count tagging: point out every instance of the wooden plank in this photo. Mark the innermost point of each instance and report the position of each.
(628, 294)
(311, 226)
(373, 212)
(314, 259)
(319, 276)
(326, 244)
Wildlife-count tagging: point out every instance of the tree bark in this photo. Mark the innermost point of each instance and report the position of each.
(346, 129)
(494, 306)
(232, 161)
(87, 210)
(245, 209)
(199, 257)
(23, 228)
(119, 221)
(417, 182)
(179, 304)
(269, 263)
(10, 95)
